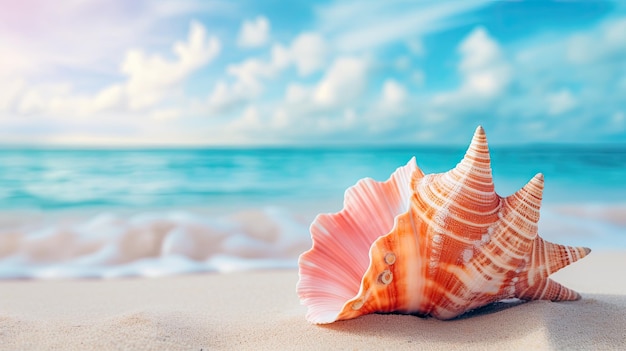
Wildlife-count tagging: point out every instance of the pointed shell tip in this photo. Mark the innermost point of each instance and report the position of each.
(537, 180)
(479, 138)
(577, 297)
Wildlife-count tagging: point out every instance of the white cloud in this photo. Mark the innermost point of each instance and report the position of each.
(314, 86)
(254, 33)
(349, 117)
(309, 53)
(281, 57)
(225, 97)
(394, 94)
(15, 60)
(249, 75)
(150, 77)
(329, 106)
(280, 119)
(97, 71)
(31, 102)
(166, 113)
(387, 112)
(297, 93)
(483, 67)
(485, 73)
(250, 120)
(606, 42)
(46, 98)
(112, 97)
(380, 23)
(560, 102)
(150, 80)
(250, 72)
(344, 82)
(11, 89)
(254, 125)
(311, 110)
(60, 101)
(84, 36)
(574, 78)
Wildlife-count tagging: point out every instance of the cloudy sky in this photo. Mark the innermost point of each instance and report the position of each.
(117, 72)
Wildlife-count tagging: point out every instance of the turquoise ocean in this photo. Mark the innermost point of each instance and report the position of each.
(49, 179)
(75, 213)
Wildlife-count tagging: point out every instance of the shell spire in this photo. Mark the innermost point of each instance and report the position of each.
(476, 165)
(433, 245)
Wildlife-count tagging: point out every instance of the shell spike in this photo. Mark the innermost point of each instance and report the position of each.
(522, 208)
(517, 228)
(471, 179)
(552, 257)
(534, 187)
(531, 193)
(550, 290)
(478, 148)
(479, 134)
(416, 176)
(474, 170)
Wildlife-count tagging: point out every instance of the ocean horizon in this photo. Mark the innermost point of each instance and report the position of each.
(57, 178)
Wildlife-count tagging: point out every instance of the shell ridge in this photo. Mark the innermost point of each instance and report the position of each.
(558, 256)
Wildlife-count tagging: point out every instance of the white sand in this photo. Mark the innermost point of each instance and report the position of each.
(255, 311)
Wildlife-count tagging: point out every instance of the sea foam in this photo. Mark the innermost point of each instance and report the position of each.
(158, 243)
(111, 245)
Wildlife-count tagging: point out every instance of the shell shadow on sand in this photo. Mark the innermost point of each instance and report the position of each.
(595, 322)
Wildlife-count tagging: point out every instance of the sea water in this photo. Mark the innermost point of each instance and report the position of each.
(116, 212)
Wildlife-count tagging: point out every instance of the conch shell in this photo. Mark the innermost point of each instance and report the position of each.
(432, 245)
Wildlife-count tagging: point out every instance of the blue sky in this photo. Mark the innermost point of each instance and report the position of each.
(116, 72)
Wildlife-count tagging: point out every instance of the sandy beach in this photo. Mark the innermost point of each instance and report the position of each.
(260, 311)
(168, 169)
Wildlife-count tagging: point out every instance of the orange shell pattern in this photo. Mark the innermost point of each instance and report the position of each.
(432, 245)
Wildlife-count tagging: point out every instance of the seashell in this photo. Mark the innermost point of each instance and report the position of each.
(432, 245)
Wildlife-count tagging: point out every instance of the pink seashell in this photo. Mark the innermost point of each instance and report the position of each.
(433, 245)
